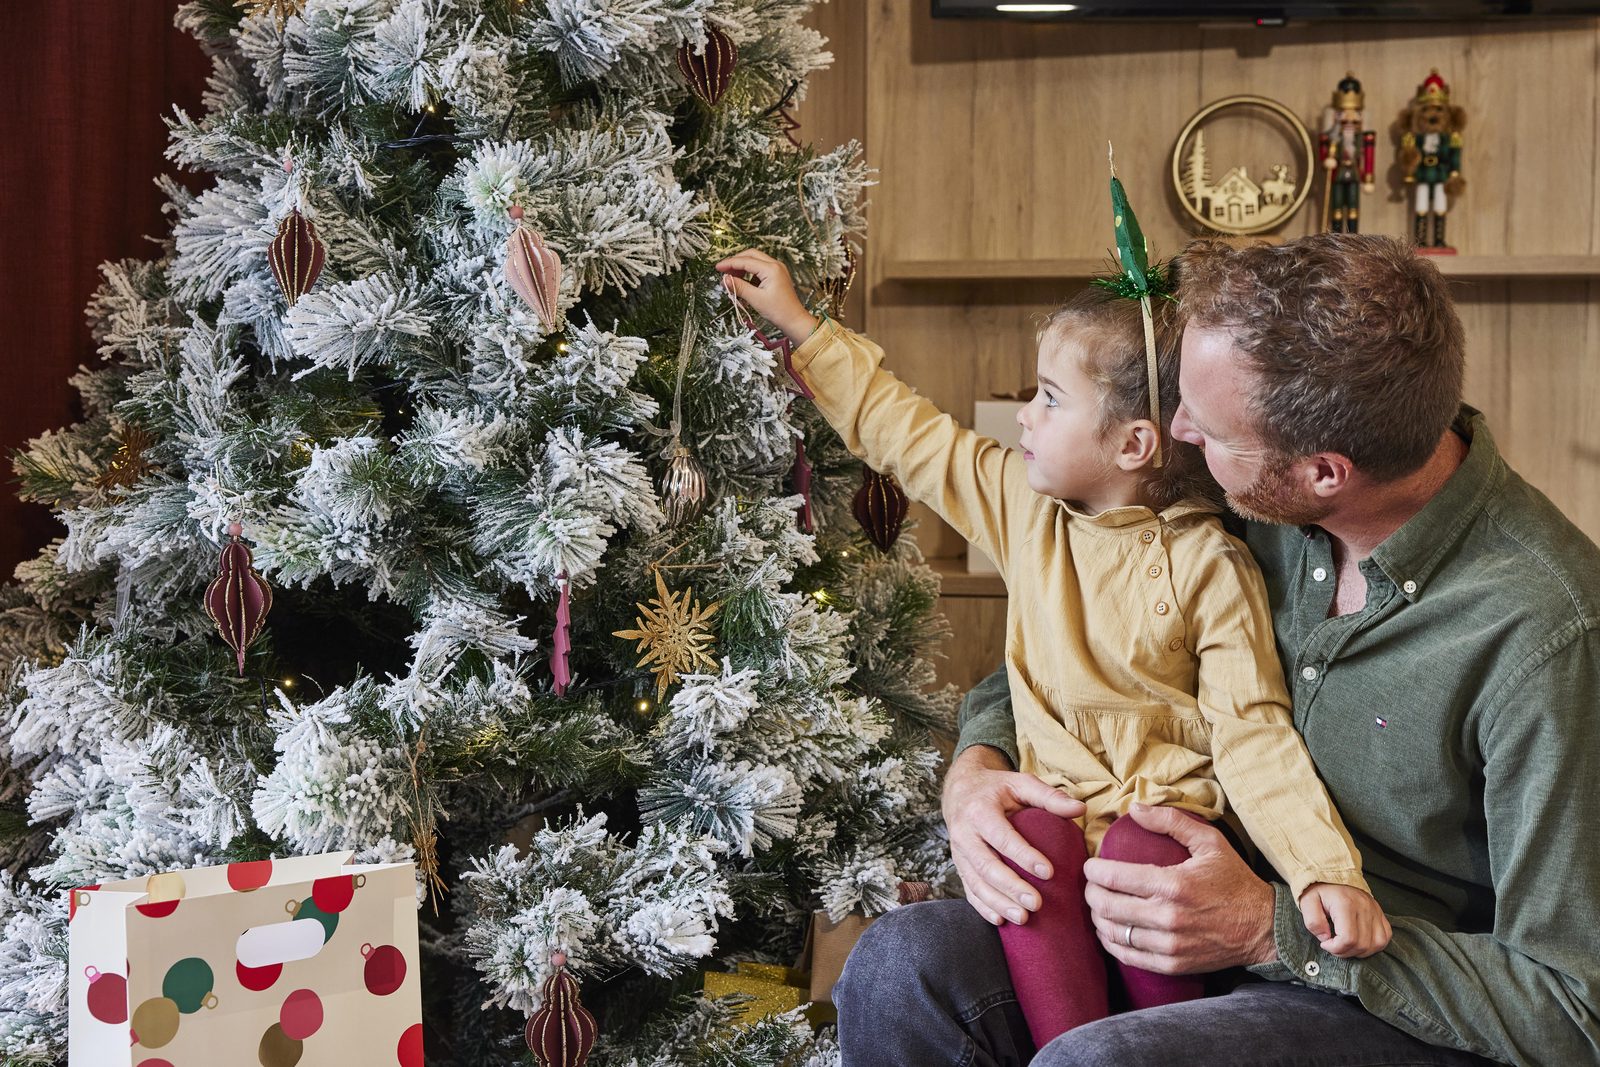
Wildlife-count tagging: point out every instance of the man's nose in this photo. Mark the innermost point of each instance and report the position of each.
(1182, 429)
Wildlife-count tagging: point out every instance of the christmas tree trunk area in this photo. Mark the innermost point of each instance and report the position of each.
(432, 502)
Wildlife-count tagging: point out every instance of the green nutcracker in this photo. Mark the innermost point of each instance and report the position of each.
(1348, 149)
(1430, 159)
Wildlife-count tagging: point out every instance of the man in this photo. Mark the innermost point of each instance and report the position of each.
(1439, 625)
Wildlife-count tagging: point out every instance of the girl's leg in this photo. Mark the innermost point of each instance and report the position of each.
(1056, 964)
(1129, 842)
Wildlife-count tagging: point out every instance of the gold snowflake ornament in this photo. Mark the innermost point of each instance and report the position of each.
(673, 635)
(279, 9)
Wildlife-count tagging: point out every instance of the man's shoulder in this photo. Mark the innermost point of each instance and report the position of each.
(1536, 553)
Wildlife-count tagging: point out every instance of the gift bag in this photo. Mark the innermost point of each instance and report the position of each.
(302, 962)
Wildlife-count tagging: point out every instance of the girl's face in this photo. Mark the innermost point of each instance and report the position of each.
(1061, 440)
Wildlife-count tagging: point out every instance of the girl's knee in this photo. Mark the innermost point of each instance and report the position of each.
(1127, 841)
(1050, 834)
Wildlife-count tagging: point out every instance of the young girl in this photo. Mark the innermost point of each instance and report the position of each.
(1138, 635)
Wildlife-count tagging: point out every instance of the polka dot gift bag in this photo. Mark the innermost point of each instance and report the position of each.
(301, 962)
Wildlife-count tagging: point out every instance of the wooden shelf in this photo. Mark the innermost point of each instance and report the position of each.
(955, 581)
(1458, 266)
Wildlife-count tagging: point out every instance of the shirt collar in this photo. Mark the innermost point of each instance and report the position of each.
(1411, 554)
(1137, 516)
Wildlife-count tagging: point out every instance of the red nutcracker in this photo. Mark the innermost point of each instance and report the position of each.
(1348, 151)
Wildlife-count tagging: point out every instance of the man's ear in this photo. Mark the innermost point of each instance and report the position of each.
(1138, 446)
(1327, 474)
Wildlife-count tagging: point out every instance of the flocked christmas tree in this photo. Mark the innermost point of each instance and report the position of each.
(558, 607)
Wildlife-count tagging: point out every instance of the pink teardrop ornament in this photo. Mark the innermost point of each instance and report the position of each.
(534, 271)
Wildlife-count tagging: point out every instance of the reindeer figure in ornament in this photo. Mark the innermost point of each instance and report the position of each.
(1430, 159)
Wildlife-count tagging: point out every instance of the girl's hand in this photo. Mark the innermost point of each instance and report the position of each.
(771, 293)
(1348, 922)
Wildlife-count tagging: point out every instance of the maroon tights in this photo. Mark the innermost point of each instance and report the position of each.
(1057, 964)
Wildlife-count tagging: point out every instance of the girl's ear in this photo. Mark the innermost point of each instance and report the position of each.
(1138, 444)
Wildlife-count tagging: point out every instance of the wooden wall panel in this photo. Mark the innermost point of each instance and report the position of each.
(990, 137)
(990, 142)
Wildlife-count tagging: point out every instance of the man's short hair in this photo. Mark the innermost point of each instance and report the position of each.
(1353, 339)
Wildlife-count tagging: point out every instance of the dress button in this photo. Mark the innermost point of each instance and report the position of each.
(1313, 968)
(1147, 536)
(1161, 608)
(1409, 587)
(1309, 674)
(1320, 574)
(1154, 572)
(1175, 644)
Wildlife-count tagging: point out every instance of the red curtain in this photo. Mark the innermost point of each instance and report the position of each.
(84, 85)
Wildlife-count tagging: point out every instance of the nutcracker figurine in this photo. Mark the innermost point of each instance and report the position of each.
(1430, 159)
(1347, 156)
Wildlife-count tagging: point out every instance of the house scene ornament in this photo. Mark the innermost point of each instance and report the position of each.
(1243, 165)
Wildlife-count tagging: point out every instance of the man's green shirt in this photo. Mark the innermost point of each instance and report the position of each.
(1455, 720)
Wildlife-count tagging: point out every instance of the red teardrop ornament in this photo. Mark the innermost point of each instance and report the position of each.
(238, 599)
(709, 72)
(296, 255)
(880, 507)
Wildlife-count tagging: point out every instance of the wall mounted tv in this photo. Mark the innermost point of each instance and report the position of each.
(1265, 14)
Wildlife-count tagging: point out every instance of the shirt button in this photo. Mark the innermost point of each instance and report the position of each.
(1409, 587)
(1309, 674)
(1320, 574)
(1147, 536)
(1175, 644)
(1154, 572)
(1313, 968)
(1161, 608)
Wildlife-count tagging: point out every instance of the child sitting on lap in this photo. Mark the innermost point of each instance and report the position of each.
(1138, 635)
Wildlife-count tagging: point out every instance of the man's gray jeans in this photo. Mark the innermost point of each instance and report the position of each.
(927, 986)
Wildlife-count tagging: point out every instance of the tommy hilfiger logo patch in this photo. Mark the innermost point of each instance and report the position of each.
(1381, 721)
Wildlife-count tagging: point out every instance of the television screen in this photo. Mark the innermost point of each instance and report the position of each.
(1266, 14)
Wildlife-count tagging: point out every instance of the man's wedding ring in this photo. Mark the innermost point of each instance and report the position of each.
(1127, 936)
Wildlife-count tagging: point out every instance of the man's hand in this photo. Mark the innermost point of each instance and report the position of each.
(980, 792)
(1348, 922)
(1207, 913)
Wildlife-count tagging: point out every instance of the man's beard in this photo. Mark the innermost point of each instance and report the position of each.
(1275, 497)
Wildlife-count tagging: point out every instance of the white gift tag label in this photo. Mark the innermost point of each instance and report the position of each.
(275, 943)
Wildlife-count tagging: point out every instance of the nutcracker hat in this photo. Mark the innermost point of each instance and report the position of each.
(1138, 279)
(1433, 90)
(1348, 96)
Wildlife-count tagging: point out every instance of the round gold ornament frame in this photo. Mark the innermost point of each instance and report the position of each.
(1246, 100)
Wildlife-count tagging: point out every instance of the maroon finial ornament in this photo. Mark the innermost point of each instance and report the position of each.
(238, 598)
(562, 1032)
(880, 507)
(709, 72)
(534, 271)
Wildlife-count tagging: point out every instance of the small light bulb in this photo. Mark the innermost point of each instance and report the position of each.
(562, 347)
(288, 683)
(644, 705)
(431, 109)
(821, 594)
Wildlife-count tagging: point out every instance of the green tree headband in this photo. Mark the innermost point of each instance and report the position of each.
(1139, 280)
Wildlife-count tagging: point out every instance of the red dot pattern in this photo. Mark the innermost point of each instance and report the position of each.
(301, 1014)
(385, 970)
